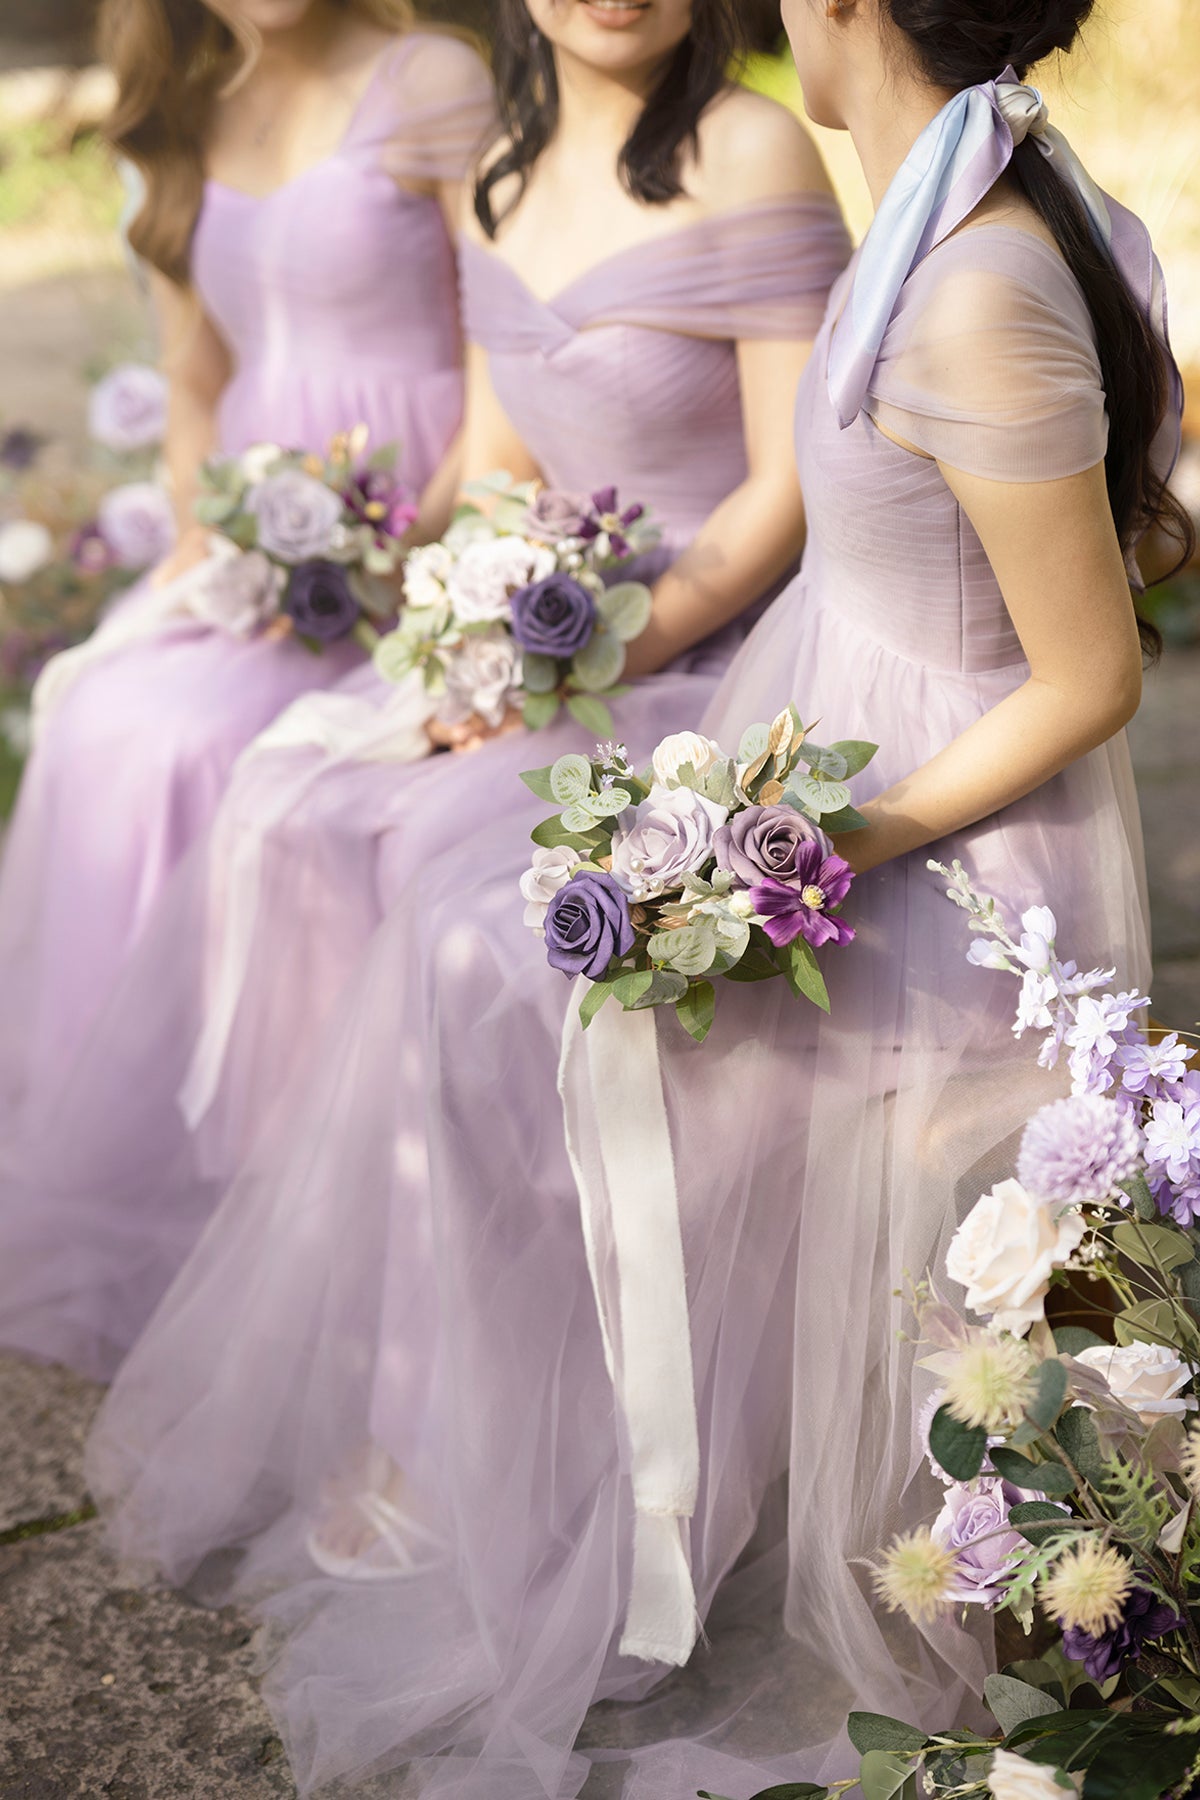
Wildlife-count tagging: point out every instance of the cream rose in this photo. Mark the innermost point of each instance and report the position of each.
(1013, 1778)
(489, 573)
(1144, 1377)
(25, 548)
(1005, 1252)
(550, 871)
(684, 747)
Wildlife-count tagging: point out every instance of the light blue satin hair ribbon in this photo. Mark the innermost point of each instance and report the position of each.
(953, 165)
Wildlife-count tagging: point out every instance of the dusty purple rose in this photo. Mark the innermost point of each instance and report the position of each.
(973, 1523)
(554, 515)
(667, 836)
(587, 924)
(381, 501)
(19, 448)
(763, 842)
(554, 617)
(1146, 1618)
(128, 408)
(320, 601)
(800, 906)
(138, 523)
(296, 515)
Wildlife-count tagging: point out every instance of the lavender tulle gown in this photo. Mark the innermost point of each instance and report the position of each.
(337, 297)
(629, 376)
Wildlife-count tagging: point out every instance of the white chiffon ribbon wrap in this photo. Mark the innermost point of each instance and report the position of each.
(632, 1214)
(610, 1081)
(340, 728)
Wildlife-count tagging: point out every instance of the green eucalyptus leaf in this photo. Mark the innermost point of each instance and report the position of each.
(608, 804)
(539, 674)
(875, 1731)
(396, 656)
(1143, 1201)
(625, 608)
(540, 710)
(215, 509)
(1051, 1393)
(1013, 1702)
(805, 979)
(1153, 1322)
(1034, 1518)
(633, 987)
(821, 797)
(1147, 1244)
(848, 818)
(1076, 1432)
(570, 778)
(689, 950)
(1047, 1478)
(666, 988)
(755, 740)
(696, 1009)
(579, 817)
(538, 782)
(883, 1774)
(1069, 1340)
(594, 999)
(831, 763)
(591, 713)
(957, 1448)
(599, 663)
(856, 753)
(552, 833)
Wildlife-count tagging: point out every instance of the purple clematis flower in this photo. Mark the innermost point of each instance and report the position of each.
(604, 516)
(381, 501)
(800, 907)
(1146, 1618)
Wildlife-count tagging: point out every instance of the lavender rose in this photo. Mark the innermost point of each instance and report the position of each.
(555, 617)
(320, 601)
(668, 836)
(587, 924)
(296, 515)
(239, 595)
(973, 1523)
(138, 523)
(764, 842)
(554, 515)
(128, 409)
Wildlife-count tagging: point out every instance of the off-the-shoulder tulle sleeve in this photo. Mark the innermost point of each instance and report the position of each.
(990, 364)
(762, 271)
(429, 111)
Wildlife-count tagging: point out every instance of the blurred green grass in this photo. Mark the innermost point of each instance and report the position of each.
(53, 181)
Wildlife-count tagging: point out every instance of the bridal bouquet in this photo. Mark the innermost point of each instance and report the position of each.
(514, 608)
(316, 541)
(704, 865)
(1071, 1465)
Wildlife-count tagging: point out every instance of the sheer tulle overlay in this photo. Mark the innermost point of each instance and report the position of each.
(401, 1264)
(336, 295)
(313, 842)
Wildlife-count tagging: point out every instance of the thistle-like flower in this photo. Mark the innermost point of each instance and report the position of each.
(1088, 1587)
(915, 1577)
(991, 1383)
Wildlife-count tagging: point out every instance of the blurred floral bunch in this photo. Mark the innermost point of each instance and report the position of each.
(516, 606)
(74, 533)
(317, 541)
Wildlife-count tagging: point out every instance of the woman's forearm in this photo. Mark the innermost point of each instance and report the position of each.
(752, 539)
(191, 440)
(1019, 745)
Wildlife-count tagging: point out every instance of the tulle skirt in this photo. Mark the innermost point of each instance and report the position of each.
(394, 1302)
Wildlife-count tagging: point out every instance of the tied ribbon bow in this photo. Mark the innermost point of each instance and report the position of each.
(953, 165)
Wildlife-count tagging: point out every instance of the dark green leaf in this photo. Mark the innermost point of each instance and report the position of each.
(1033, 1518)
(957, 1448)
(538, 782)
(1152, 1322)
(1051, 1392)
(591, 713)
(792, 1790)
(883, 1774)
(539, 674)
(666, 988)
(539, 710)
(1076, 1432)
(754, 966)
(629, 989)
(697, 1009)
(1048, 1478)
(857, 752)
(875, 1731)
(1069, 1340)
(1148, 1244)
(848, 819)
(1013, 1702)
(1138, 1190)
(805, 979)
(594, 999)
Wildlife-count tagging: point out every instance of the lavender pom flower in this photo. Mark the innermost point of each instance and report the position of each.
(587, 924)
(1145, 1618)
(554, 617)
(800, 906)
(764, 843)
(320, 602)
(1078, 1150)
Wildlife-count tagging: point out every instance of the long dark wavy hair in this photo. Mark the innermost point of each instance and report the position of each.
(652, 158)
(961, 43)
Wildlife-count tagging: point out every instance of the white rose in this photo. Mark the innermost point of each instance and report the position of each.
(684, 747)
(488, 573)
(483, 676)
(1013, 1778)
(426, 571)
(25, 547)
(239, 595)
(1006, 1250)
(1144, 1377)
(258, 461)
(551, 870)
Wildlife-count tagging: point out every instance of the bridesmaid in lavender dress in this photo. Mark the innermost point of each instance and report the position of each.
(666, 365)
(567, 1515)
(298, 228)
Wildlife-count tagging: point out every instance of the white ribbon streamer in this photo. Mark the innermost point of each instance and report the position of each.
(346, 728)
(633, 1210)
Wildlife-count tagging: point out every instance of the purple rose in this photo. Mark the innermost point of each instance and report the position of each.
(320, 601)
(138, 523)
(763, 843)
(554, 515)
(587, 924)
(1146, 1617)
(296, 515)
(555, 617)
(800, 907)
(973, 1523)
(128, 409)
